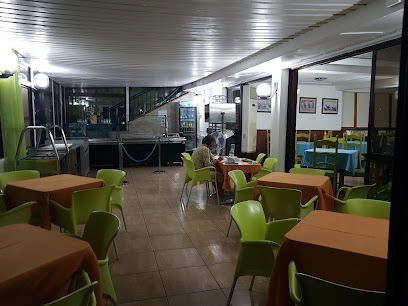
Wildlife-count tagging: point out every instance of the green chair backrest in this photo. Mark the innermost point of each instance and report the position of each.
(307, 290)
(79, 297)
(190, 169)
(84, 202)
(269, 163)
(260, 157)
(13, 176)
(19, 214)
(186, 156)
(111, 176)
(100, 230)
(280, 203)
(239, 179)
(250, 219)
(358, 192)
(365, 207)
(309, 171)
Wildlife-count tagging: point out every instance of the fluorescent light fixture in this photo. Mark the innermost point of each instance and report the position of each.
(362, 33)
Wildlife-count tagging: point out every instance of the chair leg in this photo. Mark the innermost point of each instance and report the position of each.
(124, 221)
(252, 283)
(229, 227)
(188, 199)
(216, 189)
(116, 251)
(232, 291)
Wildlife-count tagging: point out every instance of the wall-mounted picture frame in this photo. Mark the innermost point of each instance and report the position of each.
(330, 106)
(264, 106)
(307, 105)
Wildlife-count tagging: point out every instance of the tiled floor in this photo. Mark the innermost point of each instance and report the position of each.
(171, 256)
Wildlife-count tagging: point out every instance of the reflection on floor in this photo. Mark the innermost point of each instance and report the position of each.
(174, 257)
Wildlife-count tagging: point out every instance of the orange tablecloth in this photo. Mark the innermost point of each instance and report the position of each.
(37, 265)
(245, 167)
(58, 188)
(345, 249)
(310, 185)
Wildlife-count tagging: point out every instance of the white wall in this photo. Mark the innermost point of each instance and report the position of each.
(347, 118)
(319, 121)
(263, 121)
(249, 106)
(363, 109)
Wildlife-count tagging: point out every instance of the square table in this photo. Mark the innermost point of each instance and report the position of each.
(58, 188)
(345, 249)
(37, 265)
(347, 160)
(246, 167)
(310, 185)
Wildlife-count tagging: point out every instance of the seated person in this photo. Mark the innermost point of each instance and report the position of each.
(202, 157)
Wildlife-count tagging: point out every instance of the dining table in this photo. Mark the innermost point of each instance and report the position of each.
(310, 185)
(348, 160)
(345, 249)
(57, 187)
(247, 166)
(302, 146)
(38, 265)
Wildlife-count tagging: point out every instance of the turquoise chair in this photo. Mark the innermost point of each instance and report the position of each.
(266, 168)
(199, 176)
(364, 207)
(114, 177)
(307, 290)
(13, 176)
(100, 231)
(243, 190)
(260, 241)
(283, 203)
(80, 297)
(83, 203)
(19, 214)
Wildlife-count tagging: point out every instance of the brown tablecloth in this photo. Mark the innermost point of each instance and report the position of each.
(37, 265)
(58, 188)
(245, 167)
(345, 249)
(310, 185)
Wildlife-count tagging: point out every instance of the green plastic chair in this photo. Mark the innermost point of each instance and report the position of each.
(199, 176)
(260, 241)
(100, 231)
(283, 203)
(307, 290)
(309, 171)
(114, 177)
(266, 168)
(13, 176)
(356, 192)
(364, 207)
(83, 203)
(79, 297)
(186, 155)
(19, 214)
(244, 191)
(260, 158)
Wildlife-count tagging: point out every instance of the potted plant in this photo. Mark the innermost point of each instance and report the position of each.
(93, 113)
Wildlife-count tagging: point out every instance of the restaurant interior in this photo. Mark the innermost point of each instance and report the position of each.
(206, 173)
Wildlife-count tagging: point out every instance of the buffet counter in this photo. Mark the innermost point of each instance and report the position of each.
(107, 151)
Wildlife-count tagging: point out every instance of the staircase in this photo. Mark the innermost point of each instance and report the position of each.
(144, 102)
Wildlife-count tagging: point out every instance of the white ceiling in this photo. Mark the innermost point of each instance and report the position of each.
(158, 42)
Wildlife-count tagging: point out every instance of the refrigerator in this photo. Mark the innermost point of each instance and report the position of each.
(188, 123)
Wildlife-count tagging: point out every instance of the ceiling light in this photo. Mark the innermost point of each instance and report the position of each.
(41, 81)
(263, 90)
(8, 62)
(361, 33)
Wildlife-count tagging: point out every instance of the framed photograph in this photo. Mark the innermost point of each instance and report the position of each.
(264, 106)
(307, 105)
(330, 106)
